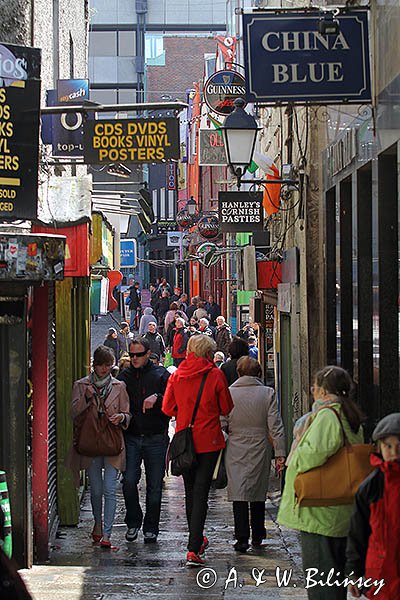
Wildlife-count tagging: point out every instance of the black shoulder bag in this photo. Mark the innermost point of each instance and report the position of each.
(181, 451)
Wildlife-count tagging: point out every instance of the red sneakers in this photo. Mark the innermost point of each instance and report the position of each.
(194, 560)
(204, 546)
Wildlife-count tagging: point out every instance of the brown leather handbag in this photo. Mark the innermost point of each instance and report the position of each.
(95, 435)
(338, 479)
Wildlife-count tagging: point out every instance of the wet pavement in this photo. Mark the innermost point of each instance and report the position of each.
(80, 570)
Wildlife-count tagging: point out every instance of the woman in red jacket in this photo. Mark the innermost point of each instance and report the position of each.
(179, 401)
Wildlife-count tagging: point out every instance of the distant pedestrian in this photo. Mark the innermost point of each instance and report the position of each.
(111, 341)
(200, 311)
(170, 316)
(106, 394)
(236, 349)
(213, 309)
(253, 350)
(135, 305)
(219, 359)
(125, 336)
(192, 307)
(146, 440)
(373, 543)
(223, 335)
(183, 303)
(204, 327)
(177, 340)
(176, 295)
(146, 318)
(155, 339)
(179, 402)
(162, 308)
(323, 529)
(254, 421)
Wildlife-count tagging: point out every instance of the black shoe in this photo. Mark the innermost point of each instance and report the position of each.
(131, 534)
(257, 543)
(150, 538)
(241, 547)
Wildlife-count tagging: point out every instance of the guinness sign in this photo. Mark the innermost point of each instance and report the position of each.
(208, 227)
(222, 89)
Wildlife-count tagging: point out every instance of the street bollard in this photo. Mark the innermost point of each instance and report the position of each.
(5, 506)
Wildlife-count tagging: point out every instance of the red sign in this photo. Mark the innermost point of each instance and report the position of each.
(76, 247)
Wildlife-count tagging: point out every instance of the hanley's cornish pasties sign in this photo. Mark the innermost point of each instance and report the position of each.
(240, 211)
(288, 59)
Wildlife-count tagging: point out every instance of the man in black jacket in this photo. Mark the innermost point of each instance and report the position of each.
(146, 439)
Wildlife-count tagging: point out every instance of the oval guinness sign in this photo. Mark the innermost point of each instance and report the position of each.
(222, 89)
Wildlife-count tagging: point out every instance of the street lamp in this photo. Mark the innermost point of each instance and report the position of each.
(191, 206)
(239, 132)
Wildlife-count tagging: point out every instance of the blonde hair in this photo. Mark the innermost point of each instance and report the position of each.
(202, 346)
(124, 361)
(248, 366)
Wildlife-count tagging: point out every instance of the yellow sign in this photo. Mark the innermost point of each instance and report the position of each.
(131, 141)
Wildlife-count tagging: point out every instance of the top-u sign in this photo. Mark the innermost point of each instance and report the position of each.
(288, 60)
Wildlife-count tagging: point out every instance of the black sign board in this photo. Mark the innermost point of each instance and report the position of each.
(19, 131)
(131, 141)
(164, 226)
(240, 211)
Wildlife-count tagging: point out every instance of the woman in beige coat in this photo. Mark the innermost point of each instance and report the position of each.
(253, 421)
(102, 470)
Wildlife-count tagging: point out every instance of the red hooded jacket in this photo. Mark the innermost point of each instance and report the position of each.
(180, 398)
(373, 543)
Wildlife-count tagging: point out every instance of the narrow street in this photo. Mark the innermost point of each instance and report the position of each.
(79, 570)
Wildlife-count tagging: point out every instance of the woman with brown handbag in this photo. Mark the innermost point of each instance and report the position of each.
(323, 528)
(100, 410)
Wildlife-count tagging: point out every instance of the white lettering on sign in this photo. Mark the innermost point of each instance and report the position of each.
(292, 41)
(299, 41)
(235, 212)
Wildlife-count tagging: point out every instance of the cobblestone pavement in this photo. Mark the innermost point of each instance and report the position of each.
(79, 570)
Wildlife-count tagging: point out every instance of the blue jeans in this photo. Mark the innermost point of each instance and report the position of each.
(103, 486)
(151, 449)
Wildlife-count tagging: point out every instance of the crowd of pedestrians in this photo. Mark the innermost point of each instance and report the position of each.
(216, 390)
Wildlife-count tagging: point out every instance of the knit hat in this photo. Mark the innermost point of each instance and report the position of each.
(389, 425)
(111, 331)
(124, 324)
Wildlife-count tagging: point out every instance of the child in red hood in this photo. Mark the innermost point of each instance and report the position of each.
(373, 543)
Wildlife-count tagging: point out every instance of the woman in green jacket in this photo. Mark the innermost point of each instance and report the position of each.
(323, 529)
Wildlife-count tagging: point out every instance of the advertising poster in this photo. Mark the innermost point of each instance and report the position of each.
(19, 131)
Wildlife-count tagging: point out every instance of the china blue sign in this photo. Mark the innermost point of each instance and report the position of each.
(287, 59)
(128, 252)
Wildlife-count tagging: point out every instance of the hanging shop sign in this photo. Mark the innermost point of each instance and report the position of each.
(211, 148)
(177, 238)
(208, 227)
(287, 59)
(128, 252)
(184, 219)
(131, 141)
(206, 254)
(65, 132)
(164, 226)
(240, 211)
(222, 89)
(171, 176)
(19, 131)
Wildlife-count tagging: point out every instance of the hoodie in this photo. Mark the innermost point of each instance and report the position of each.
(147, 318)
(181, 395)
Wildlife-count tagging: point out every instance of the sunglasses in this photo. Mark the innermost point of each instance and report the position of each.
(137, 354)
